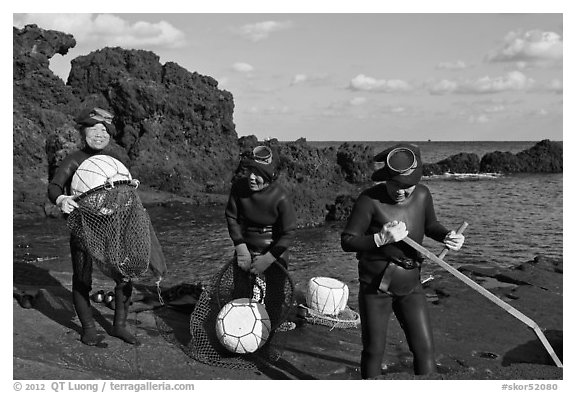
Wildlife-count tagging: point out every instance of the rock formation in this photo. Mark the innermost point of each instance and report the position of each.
(175, 127)
(176, 132)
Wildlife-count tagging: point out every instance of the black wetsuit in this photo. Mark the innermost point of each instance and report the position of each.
(60, 185)
(405, 296)
(82, 262)
(264, 220)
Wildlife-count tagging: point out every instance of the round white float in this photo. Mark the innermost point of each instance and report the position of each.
(243, 325)
(327, 295)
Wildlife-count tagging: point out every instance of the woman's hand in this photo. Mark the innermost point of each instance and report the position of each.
(262, 262)
(453, 240)
(66, 203)
(391, 232)
(243, 257)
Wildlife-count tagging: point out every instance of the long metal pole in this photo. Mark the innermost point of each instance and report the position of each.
(483, 291)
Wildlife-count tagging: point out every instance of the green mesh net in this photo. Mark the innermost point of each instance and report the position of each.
(114, 228)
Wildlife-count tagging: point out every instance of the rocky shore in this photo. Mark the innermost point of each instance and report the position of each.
(475, 339)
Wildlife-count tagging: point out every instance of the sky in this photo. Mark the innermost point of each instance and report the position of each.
(354, 76)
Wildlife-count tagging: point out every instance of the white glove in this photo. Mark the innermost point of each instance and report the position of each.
(453, 240)
(66, 203)
(243, 257)
(262, 262)
(391, 232)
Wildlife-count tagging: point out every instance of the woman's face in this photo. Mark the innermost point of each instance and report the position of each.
(397, 192)
(96, 136)
(256, 183)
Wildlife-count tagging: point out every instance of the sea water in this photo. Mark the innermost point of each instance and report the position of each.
(512, 219)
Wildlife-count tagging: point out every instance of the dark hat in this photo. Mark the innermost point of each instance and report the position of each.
(402, 164)
(262, 161)
(91, 116)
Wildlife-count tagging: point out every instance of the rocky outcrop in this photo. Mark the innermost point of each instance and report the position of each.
(176, 132)
(175, 128)
(341, 208)
(545, 156)
(356, 162)
(458, 163)
(310, 175)
(42, 105)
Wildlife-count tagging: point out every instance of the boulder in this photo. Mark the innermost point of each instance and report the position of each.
(356, 162)
(544, 157)
(458, 163)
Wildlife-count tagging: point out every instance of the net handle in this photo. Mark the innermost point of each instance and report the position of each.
(278, 264)
(106, 186)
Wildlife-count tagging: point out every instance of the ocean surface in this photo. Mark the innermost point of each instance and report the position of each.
(512, 219)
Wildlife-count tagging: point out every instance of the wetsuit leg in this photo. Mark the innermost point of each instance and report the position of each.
(375, 310)
(81, 287)
(412, 313)
(122, 295)
(275, 293)
(242, 282)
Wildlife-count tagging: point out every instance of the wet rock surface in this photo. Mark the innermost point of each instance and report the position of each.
(475, 339)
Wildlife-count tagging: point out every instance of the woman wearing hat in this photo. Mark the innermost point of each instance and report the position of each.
(261, 223)
(96, 129)
(389, 269)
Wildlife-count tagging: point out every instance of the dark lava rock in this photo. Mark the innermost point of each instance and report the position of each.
(458, 163)
(545, 156)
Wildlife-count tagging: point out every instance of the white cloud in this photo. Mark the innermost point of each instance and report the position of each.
(242, 67)
(478, 119)
(535, 46)
(268, 110)
(260, 31)
(299, 78)
(495, 109)
(109, 29)
(513, 81)
(357, 101)
(365, 83)
(555, 85)
(456, 65)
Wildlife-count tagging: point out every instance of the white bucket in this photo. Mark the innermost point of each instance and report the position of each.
(326, 295)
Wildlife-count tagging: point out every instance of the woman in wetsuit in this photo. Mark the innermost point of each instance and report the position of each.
(96, 129)
(261, 223)
(389, 269)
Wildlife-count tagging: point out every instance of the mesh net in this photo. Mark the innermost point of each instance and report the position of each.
(346, 319)
(114, 228)
(274, 289)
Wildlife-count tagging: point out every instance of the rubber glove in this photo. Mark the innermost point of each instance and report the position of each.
(453, 240)
(243, 257)
(262, 262)
(391, 232)
(66, 203)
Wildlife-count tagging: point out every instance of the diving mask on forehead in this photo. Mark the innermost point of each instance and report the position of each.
(401, 160)
(101, 116)
(262, 155)
(259, 161)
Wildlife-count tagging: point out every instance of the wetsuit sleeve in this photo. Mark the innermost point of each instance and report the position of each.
(234, 227)
(433, 228)
(60, 183)
(354, 237)
(286, 227)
